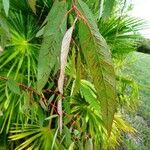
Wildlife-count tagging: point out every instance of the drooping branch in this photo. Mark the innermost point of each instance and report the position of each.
(23, 86)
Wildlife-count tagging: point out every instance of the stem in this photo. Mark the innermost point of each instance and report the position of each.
(42, 96)
(22, 86)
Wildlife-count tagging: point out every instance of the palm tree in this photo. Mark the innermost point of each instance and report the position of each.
(57, 77)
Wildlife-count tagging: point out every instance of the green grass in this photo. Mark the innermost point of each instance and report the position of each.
(140, 71)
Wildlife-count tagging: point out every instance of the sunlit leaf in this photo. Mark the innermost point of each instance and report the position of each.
(71, 147)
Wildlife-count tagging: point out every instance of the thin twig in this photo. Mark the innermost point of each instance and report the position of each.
(22, 86)
(42, 96)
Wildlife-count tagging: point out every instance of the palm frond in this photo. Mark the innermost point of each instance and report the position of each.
(34, 137)
(122, 34)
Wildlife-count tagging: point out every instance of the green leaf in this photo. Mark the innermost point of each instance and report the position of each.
(67, 139)
(51, 117)
(32, 4)
(1, 113)
(40, 32)
(13, 86)
(54, 139)
(71, 147)
(108, 8)
(50, 49)
(76, 85)
(1, 49)
(6, 6)
(89, 144)
(88, 92)
(3, 23)
(99, 62)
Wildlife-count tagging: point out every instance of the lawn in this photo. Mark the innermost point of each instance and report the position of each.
(140, 71)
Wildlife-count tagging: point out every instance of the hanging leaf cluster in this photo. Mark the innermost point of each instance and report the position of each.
(94, 48)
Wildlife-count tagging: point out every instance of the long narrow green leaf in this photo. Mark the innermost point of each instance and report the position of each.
(29, 141)
(50, 49)
(54, 139)
(99, 62)
(22, 134)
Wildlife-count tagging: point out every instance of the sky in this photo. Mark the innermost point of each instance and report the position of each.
(142, 9)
